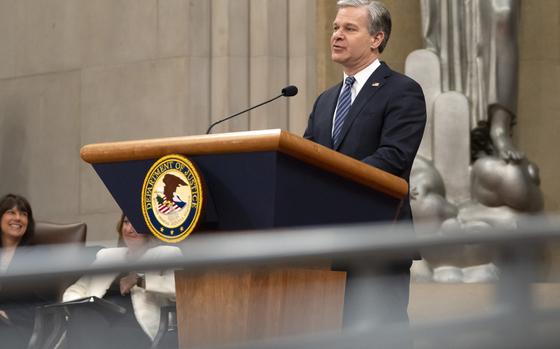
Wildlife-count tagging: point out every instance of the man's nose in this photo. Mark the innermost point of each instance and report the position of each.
(337, 34)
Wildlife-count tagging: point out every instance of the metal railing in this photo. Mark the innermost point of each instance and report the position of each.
(513, 322)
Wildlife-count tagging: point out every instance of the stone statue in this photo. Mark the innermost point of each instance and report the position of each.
(469, 176)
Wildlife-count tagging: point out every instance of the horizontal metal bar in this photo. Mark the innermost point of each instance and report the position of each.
(363, 243)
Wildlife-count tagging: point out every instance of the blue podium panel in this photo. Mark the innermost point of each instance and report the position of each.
(124, 181)
(258, 190)
(307, 195)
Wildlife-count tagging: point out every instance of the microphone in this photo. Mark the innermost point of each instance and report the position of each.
(288, 91)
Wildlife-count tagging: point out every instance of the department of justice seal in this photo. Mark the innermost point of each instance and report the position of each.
(172, 198)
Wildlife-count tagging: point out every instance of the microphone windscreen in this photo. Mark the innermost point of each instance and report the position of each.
(289, 91)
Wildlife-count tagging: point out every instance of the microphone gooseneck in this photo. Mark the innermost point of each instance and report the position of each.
(288, 91)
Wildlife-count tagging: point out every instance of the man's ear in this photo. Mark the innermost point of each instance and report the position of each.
(376, 40)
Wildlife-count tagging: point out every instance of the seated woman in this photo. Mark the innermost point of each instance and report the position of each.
(17, 302)
(142, 295)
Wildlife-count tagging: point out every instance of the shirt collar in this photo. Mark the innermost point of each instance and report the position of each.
(362, 76)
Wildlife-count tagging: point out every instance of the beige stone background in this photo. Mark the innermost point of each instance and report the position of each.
(74, 72)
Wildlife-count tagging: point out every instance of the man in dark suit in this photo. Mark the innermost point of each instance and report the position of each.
(375, 115)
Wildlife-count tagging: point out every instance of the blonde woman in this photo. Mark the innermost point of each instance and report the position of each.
(141, 294)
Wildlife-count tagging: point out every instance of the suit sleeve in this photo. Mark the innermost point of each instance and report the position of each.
(77, 290)
(308, 134)
(162, 282)
(95, 285)
(401, 134)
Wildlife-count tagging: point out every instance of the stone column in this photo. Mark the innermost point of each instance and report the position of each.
(229, 81)
(268, 61)
(301, 62)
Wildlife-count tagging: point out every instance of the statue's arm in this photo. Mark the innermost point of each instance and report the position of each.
(500, 134)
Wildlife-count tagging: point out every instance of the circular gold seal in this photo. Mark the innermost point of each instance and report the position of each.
(172, 198)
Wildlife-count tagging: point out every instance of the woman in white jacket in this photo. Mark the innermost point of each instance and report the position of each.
(141, 294)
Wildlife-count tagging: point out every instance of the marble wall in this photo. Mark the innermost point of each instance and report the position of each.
(538, 122)
(74, 72)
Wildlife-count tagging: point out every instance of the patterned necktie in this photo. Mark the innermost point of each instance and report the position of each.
(344, 103)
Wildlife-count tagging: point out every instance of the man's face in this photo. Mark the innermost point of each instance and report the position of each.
(351, 44)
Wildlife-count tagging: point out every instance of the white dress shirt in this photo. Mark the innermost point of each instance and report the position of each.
(361, 77)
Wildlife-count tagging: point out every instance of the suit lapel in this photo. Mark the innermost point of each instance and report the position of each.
(375, 82)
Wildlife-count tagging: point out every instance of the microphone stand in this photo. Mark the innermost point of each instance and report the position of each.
(241, 112)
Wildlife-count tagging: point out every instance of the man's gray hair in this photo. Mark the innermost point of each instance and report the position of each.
(379, 19)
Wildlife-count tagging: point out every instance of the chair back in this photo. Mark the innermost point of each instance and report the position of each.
(48, 325)
(47, 233)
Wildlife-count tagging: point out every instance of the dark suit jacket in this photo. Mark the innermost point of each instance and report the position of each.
(383, 128)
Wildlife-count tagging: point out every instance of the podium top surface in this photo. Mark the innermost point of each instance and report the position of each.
(247, 142)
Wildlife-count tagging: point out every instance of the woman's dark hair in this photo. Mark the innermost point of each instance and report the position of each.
(10, 201)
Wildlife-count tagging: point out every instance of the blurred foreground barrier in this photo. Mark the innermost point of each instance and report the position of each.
(512, 323)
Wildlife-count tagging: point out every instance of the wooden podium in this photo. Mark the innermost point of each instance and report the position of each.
(256, 180)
